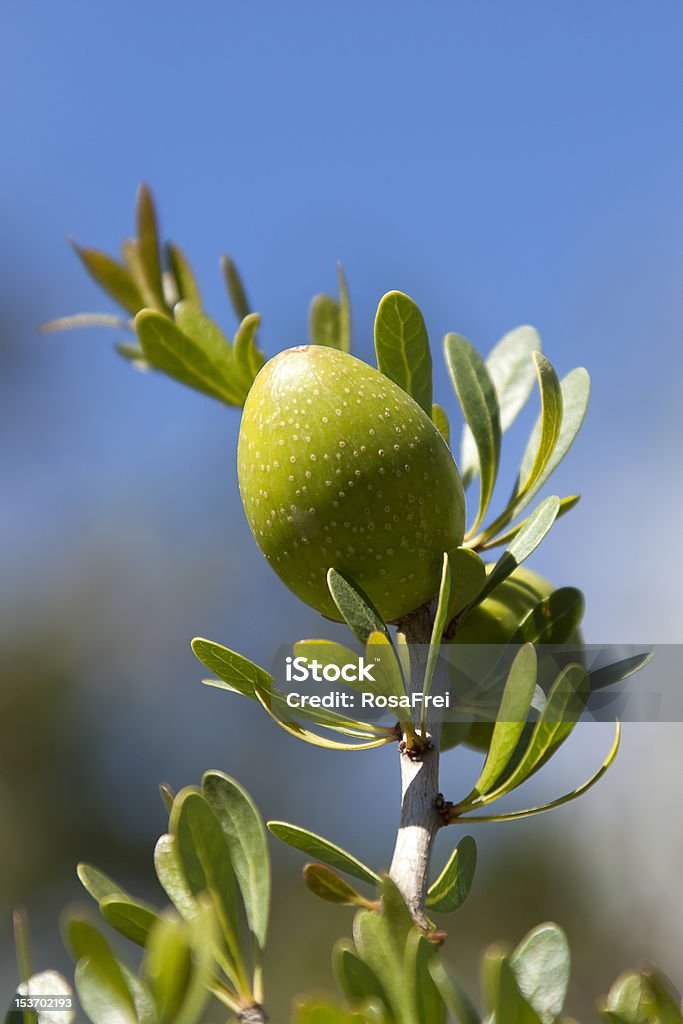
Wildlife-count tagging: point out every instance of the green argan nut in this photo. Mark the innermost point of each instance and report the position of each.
(339, 468)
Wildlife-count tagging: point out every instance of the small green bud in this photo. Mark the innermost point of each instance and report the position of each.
(340, 468)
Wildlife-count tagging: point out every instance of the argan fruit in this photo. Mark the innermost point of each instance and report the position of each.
(339, 468)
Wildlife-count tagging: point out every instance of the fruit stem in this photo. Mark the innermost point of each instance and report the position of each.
(420, 819)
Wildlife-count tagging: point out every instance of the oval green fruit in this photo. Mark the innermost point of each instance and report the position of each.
(339, 468)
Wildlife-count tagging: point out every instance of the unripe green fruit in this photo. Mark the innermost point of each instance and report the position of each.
(339, 468)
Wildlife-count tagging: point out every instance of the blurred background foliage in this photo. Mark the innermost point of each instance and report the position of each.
(502, 164)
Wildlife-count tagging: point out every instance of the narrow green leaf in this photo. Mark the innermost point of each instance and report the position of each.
(211, 340)
(202, 944)
(167, 966)
(69, 323)
(315, 1012)
(97, 884)
(246, 838)
(575, 388)
(450, 890)
(344, 311)
(183, 276)
(566, 505)
(327, 885)
(234, 669)
(387, 668)
(457, 1002)
(133, 261)
(512, 716)
(356, 979)
(248, 358)
(541, 965)
(103, 993)
(167, 795)
(133, 354)
(479, 403)
(402, 347)
(521, 546)
(468, 575)
(143, 1000)
(511, 368)
(395, 913)
(618, 670)
(167, 348)
(440, 421)
(132, 919)
(22, 944)
(440, 620)
(235, 289)
(324, 321)
(322, 849)
(355, 607)
(148, 240)
(113, 278)
(420, 954)
(541, 445)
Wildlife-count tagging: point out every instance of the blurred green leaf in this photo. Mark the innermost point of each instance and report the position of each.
(235, 289)
(183, 275)
(133, 261)
(172, 877)
(131, 918)
(204, 854)
(322, 849)
(248, 358)
(355, 978)
(167, 348)
(420, 954)
(440, 421)
(246, 838)
(451, 888)
(554, 620)
(457, 1002)
(22, 944)
(344, 311)
(511, 368)
(133, 354)
(167, 966)
(324, 1013)
(402, 347)
(324, 321)
(97, 884)
(112, 277)
(101, 987)
(479, 403)
(167, 795)
(143, 1000)
(69, 323)
(327, 885)
(148, 240)
(355, 607)
(541, 964)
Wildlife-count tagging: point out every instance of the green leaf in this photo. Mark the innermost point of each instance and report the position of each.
(167, 795)
(450, 890)
(566, 505)
(240, 673)
(457, 1002)
(468, 575)
(324, 321)
(133, 354)
(344, 311)
(381, 942)
(100, 984)
(618, 670)
(542, 444)
(209, 337)
(324, 1013)
(554, 620)
(402, 347)
(356, 979)
(512, 716)
(183, 275)
(148, 241)
(204, 854)
(420, 954)
(143, 1000)
(439, 624)
(541, 964)
(440, 421)
(97, 884)
(511, 368)
(389, 674)
(167, 348)
(322, 849)
(246, 838)
(477, 397)
(133, 262)
(575, 389)
(69, 323)
(113, 278)
(235, 289)
(327, 885)
(628, 999)
(172, 877)
(507, 1003)
(22, 945)
(132, 919)
(520, 547)
(168, 966)
(248, 358)
(355, 607)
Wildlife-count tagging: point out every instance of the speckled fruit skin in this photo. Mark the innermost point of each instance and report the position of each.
(495, 621)
(339, 468)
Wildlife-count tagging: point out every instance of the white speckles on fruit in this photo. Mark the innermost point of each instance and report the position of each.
(297, 411)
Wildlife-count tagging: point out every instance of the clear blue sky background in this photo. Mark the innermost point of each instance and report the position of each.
(502, 162)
